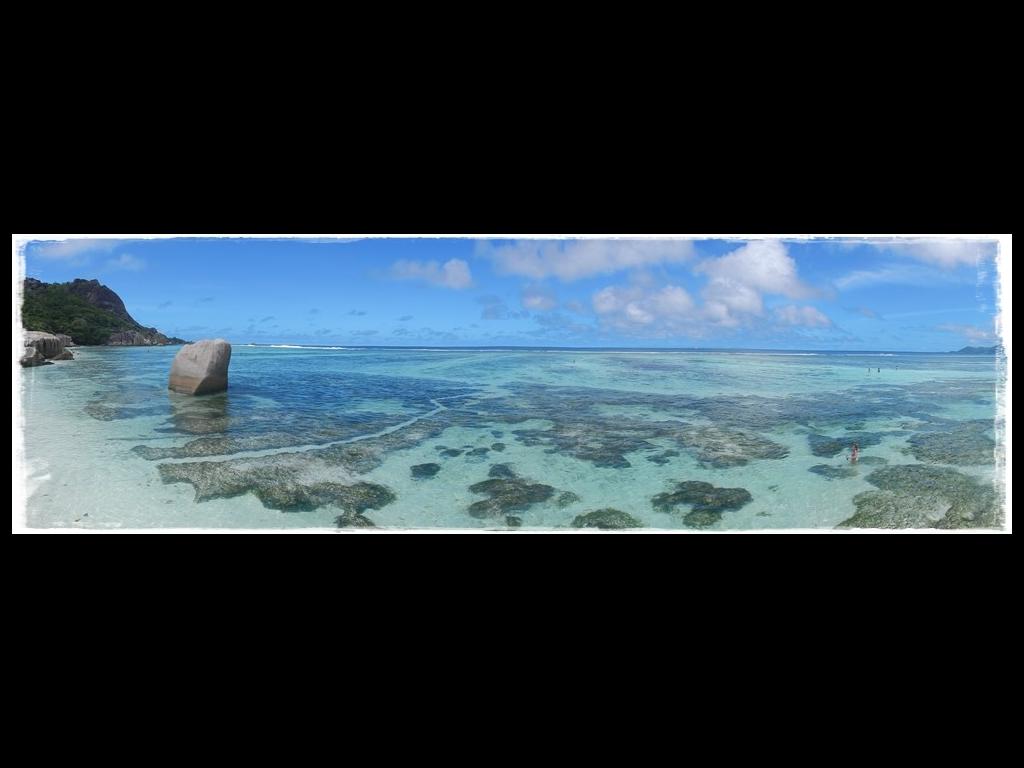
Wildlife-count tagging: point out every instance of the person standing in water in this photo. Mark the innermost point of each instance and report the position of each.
(854, 453)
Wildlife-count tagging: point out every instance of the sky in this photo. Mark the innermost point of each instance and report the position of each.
(884, 295)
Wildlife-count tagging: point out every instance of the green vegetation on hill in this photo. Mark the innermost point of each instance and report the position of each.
(58, 308)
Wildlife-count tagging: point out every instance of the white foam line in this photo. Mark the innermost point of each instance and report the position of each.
(288, 346)
(313, 446)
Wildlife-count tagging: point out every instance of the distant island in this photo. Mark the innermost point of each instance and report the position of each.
(978, 350)
(87, 311)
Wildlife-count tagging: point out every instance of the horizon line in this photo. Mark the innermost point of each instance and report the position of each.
(609, 348)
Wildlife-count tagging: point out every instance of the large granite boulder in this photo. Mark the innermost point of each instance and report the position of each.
(201, 368)
(66, 340)
(33, 357)
(48, 344)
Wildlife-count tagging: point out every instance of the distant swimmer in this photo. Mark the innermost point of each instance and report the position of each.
(879, 370)
(854, 453)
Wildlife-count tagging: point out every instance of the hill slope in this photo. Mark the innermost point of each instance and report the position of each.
(88, 312)
(978, 350)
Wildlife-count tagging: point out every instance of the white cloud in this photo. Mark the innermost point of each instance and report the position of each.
(893, 274)
(802, 316)
(970, 332)
(736, 281)
(128, 262)
(732, 297)
(641, 308)
(948, 254)
(537, 298)
(454, 273)
(718, 313)
(70, 251)
(611, 299)
(672, 301)
(637, 314)
(576, 259)
(939, 261)
(763, 265)
(736, 297)
(862, 277)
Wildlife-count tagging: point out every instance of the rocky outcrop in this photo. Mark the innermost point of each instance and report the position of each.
(150, 337)
(100, 296)
(87, 313)
(44, 347)
(126, 339)
(48, 344)
(32, 358)
(201, 368)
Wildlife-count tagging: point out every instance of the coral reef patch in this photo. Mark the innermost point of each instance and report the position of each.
(606, 519)
(706, 502)
(923, 496)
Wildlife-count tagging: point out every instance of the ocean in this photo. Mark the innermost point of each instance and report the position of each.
(509, 439)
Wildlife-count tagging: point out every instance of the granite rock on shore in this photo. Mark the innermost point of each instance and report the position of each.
(42, 348)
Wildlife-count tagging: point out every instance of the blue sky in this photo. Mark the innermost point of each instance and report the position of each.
(919, 295)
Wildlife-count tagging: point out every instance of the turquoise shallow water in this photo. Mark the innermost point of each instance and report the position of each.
(500, 438)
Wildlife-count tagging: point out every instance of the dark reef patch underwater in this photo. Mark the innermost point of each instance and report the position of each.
(507, 494)
(514, 439)
(424, 471)
(919, 496)
(706, 502)
(595, 426)
(830, 472)
(964, 443)
(606, 519)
